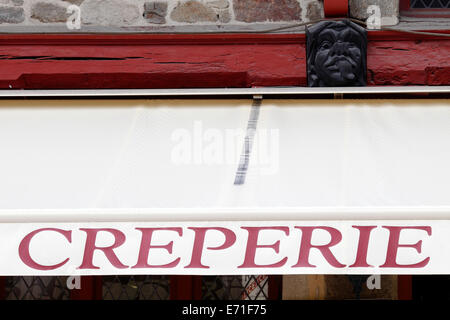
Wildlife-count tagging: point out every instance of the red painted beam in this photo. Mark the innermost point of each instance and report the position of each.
(150, 39)
(188, 39)
(189, 61)
(407, 36)
(335, 8)
(404, 5)
(408, 63)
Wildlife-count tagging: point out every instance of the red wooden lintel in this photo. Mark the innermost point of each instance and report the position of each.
(90, 39)
(122, 61)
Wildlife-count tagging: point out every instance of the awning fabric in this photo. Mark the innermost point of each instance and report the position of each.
(149, 187)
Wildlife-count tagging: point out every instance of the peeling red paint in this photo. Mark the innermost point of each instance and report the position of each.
(409, 62)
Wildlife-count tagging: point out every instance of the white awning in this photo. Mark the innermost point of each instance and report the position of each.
(78, 176)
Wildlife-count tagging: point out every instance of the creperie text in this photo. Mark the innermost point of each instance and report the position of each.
(250, 245)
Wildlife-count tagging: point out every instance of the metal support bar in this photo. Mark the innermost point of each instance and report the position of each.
(267, 91)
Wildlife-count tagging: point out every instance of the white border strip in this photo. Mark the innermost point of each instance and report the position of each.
(224, 214)
(221, 91)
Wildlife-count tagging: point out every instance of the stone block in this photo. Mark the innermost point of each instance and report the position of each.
(76, 2)
(267, 10)
(224, 16)
(219, 4)
(389, 10)
(11, 15)
(314, 11)
(192, 12)
(17, 2)
(48, 12)
(109, 12)
(155, 12)
(221, 7)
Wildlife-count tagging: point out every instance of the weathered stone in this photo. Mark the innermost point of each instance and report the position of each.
(192, 12)
(224, 16)
(17, 2)
(109, 12)
(11, 15)
(389, 10)
(155, 12)
(219, 4)
(48, 12)
(221, 7)
(314, 11)
(76, 2)
(266, 10)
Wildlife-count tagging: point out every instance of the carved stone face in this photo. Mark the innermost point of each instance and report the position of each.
(336, 54)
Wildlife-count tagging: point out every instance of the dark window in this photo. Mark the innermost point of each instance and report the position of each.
(252, 287)
(425, 8)
(141, 287)
(430, 4)
(135, 287)
(36, 288)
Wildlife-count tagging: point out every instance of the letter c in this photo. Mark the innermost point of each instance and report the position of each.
(24, 249)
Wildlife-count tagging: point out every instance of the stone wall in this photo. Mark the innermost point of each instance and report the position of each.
(159, 14)
(389, 10)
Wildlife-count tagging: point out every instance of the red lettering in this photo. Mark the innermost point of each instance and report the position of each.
(363, 244)
(90, 247)
(393, 246)
(252, 245)
(306, 246)
(146, 245)
(24, 249)
(199, 241)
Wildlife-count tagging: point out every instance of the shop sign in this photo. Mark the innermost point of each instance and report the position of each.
(233, 247)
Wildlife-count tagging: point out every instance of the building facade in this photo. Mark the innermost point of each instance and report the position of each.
(139, 44)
